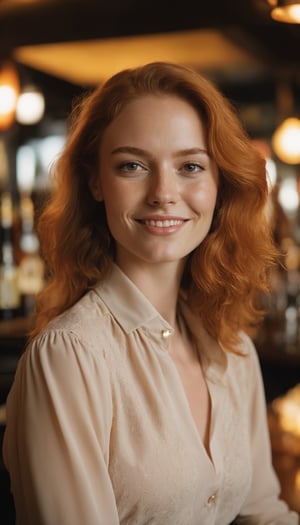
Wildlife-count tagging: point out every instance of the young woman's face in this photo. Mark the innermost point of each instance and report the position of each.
(158, 184)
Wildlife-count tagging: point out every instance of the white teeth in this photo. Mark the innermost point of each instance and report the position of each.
(163, 224)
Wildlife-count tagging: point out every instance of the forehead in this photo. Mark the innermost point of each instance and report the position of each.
(160, 101)
(155, 114)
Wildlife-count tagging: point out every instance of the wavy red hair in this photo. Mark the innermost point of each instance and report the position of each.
(226, 273)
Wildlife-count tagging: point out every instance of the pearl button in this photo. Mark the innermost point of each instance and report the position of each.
(212, 498)
(166, 333)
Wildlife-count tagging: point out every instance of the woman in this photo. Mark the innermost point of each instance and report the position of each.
(139, 399)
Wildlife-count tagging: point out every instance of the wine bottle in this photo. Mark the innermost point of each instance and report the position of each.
(9, 291)
(31, 265)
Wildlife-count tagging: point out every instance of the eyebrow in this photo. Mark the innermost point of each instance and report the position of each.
(139, 151)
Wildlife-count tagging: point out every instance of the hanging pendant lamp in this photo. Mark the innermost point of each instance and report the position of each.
(287, 11)
(9, 92)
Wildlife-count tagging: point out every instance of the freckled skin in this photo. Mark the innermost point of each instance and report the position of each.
(154, 166)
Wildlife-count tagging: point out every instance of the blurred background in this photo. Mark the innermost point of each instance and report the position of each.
(51, 51)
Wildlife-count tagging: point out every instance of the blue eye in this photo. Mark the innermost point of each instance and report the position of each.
(129, 166)
(192, 167)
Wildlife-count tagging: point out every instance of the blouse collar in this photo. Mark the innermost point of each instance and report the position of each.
(133, 310)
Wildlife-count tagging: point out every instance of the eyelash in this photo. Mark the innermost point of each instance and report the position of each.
(133, 167)
(129, 166)
(197, 168)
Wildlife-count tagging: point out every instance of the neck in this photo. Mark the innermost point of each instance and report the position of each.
(160, 284)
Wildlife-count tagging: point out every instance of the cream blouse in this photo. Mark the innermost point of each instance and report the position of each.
(99, 430)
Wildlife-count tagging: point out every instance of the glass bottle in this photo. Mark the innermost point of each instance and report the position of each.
(9, 291)
(31, 265)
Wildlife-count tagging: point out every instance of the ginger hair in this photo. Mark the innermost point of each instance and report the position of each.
(226, 273)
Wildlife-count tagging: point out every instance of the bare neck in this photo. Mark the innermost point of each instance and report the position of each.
(160, 284)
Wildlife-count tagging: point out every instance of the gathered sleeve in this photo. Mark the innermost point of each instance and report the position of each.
(56, 443)
(262, 506)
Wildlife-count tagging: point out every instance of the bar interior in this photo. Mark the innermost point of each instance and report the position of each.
(51, 52)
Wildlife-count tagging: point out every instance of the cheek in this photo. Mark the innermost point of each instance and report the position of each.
(114, 197)
(114, 212)
(122, 197)
(118, 202)
(204, 198)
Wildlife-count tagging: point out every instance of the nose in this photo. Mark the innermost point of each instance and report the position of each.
(163, 188)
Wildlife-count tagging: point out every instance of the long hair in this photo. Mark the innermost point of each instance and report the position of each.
(227, 271)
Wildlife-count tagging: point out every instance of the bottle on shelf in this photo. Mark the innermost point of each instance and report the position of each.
(31, 266)
(9, 290)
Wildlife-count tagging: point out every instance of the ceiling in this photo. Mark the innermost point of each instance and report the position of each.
(82, 42)
(91, 61)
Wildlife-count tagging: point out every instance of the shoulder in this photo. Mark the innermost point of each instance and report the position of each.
(82, 314)
(245, 350)
(245, 365)
(82, 331)
(248, 350)
(86, 320)
(246, 346)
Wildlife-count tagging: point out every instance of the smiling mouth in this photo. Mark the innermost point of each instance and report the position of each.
(167, 223)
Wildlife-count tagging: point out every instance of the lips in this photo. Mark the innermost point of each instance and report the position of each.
(165, 223)
(162, 226)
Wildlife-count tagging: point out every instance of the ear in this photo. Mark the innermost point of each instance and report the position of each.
(95, 187)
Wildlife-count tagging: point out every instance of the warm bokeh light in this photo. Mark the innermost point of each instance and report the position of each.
(286, 141)
(25, 168)
(288, 409)
(8, 99)
(264, 148)
(271, 169)
(288, 195)
(289, 13)
(9, 92)
(30, 106)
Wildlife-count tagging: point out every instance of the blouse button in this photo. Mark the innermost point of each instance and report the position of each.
(212, 499)
(166, 333)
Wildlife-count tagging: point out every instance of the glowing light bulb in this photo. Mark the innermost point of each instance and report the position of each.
(286, 141)
(8, 100)
(9, 91)
(30, 106)
(289, 14)
(288, 195)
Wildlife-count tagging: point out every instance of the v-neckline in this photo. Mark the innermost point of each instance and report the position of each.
(207, 449)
